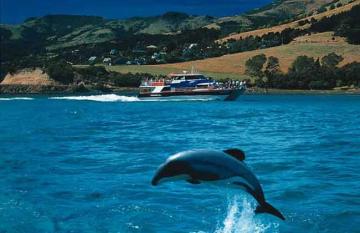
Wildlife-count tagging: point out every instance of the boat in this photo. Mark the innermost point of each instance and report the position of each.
(192, 86)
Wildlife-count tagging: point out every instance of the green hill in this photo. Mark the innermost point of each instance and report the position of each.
(59, 31)
(62, 31)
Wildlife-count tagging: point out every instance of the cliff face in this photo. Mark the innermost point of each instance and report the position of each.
(30, 81)
(29, 77)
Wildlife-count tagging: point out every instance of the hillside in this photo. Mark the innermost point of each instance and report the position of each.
(293, 25)
(63, 31)
(271, 14)
(233, 66)
(59, 31)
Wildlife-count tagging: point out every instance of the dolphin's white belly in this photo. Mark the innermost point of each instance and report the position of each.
(230, 183)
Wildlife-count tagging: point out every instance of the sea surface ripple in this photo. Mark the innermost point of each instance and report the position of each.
(84, 164)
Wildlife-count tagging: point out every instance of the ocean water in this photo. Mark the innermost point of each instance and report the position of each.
(84, 164)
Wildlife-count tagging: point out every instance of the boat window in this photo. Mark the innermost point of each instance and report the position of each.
(146, 89)
(179, 77)
(188, 77)
(166, 89)
(195, 77)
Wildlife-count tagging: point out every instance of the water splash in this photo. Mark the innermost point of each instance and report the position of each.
(243, 220)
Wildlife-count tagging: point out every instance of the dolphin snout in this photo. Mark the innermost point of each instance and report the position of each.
(158, 175)
(155, 181)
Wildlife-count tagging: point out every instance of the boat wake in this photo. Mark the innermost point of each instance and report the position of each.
(243, 220)
(100, 98)
(120, 98)
(16, 98)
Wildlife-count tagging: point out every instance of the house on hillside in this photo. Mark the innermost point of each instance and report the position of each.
(191, 46)
(139, 61)
(159, 57)
(52, 55)
(155, 56)
(92, 60)
(151, 47)
(113, 52)
(107, 61)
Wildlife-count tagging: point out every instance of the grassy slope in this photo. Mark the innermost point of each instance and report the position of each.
(294, 24)
(294, 7)
(233, 66)
(274, 12)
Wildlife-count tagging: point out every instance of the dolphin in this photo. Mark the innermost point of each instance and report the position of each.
(201, 166)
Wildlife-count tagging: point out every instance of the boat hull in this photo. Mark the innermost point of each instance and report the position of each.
(229, 95)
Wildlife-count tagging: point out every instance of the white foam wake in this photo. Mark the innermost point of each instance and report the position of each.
(16, 98)
(100, 98)
(243, 220)
(118, 98)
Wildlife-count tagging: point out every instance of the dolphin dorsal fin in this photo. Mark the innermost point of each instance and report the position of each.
(236, 153)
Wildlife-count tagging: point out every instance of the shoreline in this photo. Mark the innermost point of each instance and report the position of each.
(260, 91)
(16, 90)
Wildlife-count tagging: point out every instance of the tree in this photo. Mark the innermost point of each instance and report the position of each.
(304, 70)
(273, 65)
(303, 65)
(351, 74)
(255, 65)
(5, 34)
(322, 9)
(272, 71)
(61, 71)
(331, 60)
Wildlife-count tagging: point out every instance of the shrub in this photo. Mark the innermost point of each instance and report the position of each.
(61, 71)
(255, 65)
(331, 60)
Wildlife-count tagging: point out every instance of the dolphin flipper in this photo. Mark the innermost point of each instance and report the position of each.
(267, 208)
(236, 153)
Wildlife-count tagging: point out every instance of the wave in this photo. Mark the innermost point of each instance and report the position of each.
(16, 98)
(118, 98)
(100, 98)
(243, 220)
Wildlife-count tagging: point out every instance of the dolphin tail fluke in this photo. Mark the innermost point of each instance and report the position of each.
(267, 208)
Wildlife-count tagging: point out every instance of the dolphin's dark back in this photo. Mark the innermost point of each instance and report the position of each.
(207, 160)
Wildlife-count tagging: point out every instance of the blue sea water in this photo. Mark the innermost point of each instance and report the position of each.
(84, 164)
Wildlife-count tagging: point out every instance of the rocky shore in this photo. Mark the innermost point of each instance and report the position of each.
(37, 81)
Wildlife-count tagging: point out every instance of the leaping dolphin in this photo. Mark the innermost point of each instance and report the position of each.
(199, 166)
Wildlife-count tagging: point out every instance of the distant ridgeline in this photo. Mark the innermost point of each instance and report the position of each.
(169, 38)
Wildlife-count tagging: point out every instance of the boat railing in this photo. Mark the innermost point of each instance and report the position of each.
(153, 83)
